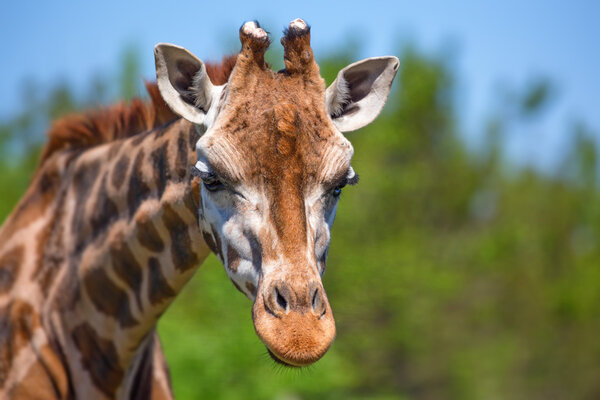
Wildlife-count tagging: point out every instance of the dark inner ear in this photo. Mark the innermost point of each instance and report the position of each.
(360, 80)
(359, 83)
(184, 79)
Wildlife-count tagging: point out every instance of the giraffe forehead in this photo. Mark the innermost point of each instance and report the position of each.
(275, 138)
(277, 158)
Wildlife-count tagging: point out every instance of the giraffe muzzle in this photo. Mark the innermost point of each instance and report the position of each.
(295, 322)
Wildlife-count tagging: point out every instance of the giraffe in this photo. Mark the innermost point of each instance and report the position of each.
(127, 201)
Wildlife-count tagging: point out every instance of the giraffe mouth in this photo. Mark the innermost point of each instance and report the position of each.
(280, 361)
(288, 363)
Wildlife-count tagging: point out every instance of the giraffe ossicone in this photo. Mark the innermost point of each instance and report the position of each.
(236, 159)
(252, 28)
(298, 23)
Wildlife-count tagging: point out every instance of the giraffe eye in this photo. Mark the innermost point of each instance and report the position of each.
(337, 191)
(212, 184)
(351, 178)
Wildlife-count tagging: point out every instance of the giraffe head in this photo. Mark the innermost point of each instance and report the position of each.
(273, 161)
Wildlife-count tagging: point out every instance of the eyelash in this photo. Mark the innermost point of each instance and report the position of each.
(211, 183)
(336, 192)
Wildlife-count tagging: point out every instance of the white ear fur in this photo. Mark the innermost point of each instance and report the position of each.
(183, 82)
(360, 91)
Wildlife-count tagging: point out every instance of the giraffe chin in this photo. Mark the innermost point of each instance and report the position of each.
(280, 361)
(294, 338)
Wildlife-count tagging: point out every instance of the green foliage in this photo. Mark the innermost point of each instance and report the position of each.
(449, 277)
(129, 76)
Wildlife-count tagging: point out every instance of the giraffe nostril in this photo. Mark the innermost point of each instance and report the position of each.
(315, 299)
(318, 304)
(281, 301)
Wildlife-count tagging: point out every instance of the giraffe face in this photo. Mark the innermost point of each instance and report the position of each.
(273, 161)
(269, 196)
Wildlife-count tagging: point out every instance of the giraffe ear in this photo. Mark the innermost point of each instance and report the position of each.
(183, 83)
(360, 91)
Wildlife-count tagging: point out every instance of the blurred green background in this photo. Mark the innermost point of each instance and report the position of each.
(453, 272)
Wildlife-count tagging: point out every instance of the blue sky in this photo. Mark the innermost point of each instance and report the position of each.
(495, 43)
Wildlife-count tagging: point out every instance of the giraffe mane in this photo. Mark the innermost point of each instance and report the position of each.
(109, 123)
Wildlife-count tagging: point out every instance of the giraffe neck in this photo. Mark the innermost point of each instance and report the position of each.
(129, 236)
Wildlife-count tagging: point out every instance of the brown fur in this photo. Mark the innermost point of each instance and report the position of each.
(219, 72)
(81, 131)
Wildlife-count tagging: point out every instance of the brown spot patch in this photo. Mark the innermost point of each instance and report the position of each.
(138, 190)
(182, 163)
(113, 150)
(158, 287)
(9, 268)
(193, 137)
(17, 323)
(217, 243)
(251, 288)
(196, 195)
(119, 171)
(140, 137)
(99, 357)
(191, 199)
(105, 210)
(50, 255)
(126, 266)
(233, 259)
(161, 174)
(182, 253)
(107, 297)
(209, 241)
(83, 182)
(148, 235)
